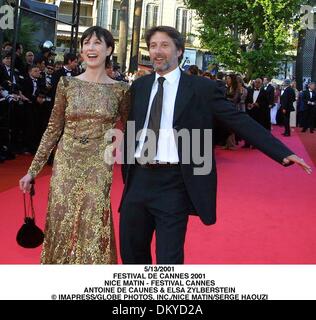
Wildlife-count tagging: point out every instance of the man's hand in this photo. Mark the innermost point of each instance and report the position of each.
(295, 159)
(24, 98)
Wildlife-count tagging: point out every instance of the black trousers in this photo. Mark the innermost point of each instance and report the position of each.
(309, 117)
(156, 200)
(286, 120)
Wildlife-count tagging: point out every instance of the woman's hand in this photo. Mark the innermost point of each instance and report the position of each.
(26, 183)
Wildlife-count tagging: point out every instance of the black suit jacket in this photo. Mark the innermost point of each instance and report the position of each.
(262, 99)
(62, 72)
(4, 76)
(287, 99)
(262, 113)
(5, 79)
(28, 88)
(198, 102)
(307, 97)
(270, 94)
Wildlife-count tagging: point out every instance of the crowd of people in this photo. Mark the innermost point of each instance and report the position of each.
(27, 98)
(266, 102)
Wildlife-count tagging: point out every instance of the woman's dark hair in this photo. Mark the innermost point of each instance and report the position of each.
(234, 82)
(173, 33)
(100, 33)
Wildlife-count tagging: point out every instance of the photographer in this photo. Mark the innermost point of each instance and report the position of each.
(3, 116)
(12, 117)
(32, 86)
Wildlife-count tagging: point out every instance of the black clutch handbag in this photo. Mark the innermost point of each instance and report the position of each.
(29, 235)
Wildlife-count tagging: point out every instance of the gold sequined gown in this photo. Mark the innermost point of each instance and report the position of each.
(79, 226)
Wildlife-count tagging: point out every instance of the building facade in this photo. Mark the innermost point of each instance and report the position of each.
(88, 18)
(154, 12)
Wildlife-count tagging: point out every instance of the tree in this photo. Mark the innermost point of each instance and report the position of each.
(25, 35)
(133, 65)
(248, 36)
(123, 36)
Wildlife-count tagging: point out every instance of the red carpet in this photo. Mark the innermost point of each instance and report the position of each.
(266, 213)
(309, 142)
(13, 170)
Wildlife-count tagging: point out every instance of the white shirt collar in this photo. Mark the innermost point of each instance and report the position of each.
(171, 76)
(68, 70)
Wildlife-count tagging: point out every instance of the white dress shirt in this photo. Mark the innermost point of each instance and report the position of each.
(68, 71)
(167, 149)
(9, 73)
(34, 86)
(311, 94)
(266, 87)
(255, 95)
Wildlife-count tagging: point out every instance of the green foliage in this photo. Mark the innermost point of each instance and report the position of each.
(25, 34)
(248, 36)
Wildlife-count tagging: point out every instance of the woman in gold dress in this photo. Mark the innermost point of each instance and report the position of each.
(79, 225)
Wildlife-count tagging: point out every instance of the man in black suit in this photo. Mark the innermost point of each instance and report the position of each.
(13, 85)
(287, 99)
(268, 87)
(5, 73)
(159, 195)
(33, 83)
(220, 81)
(4, 107)
(309, 100)
(69, 68)
(257, 104)
(32, 86)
